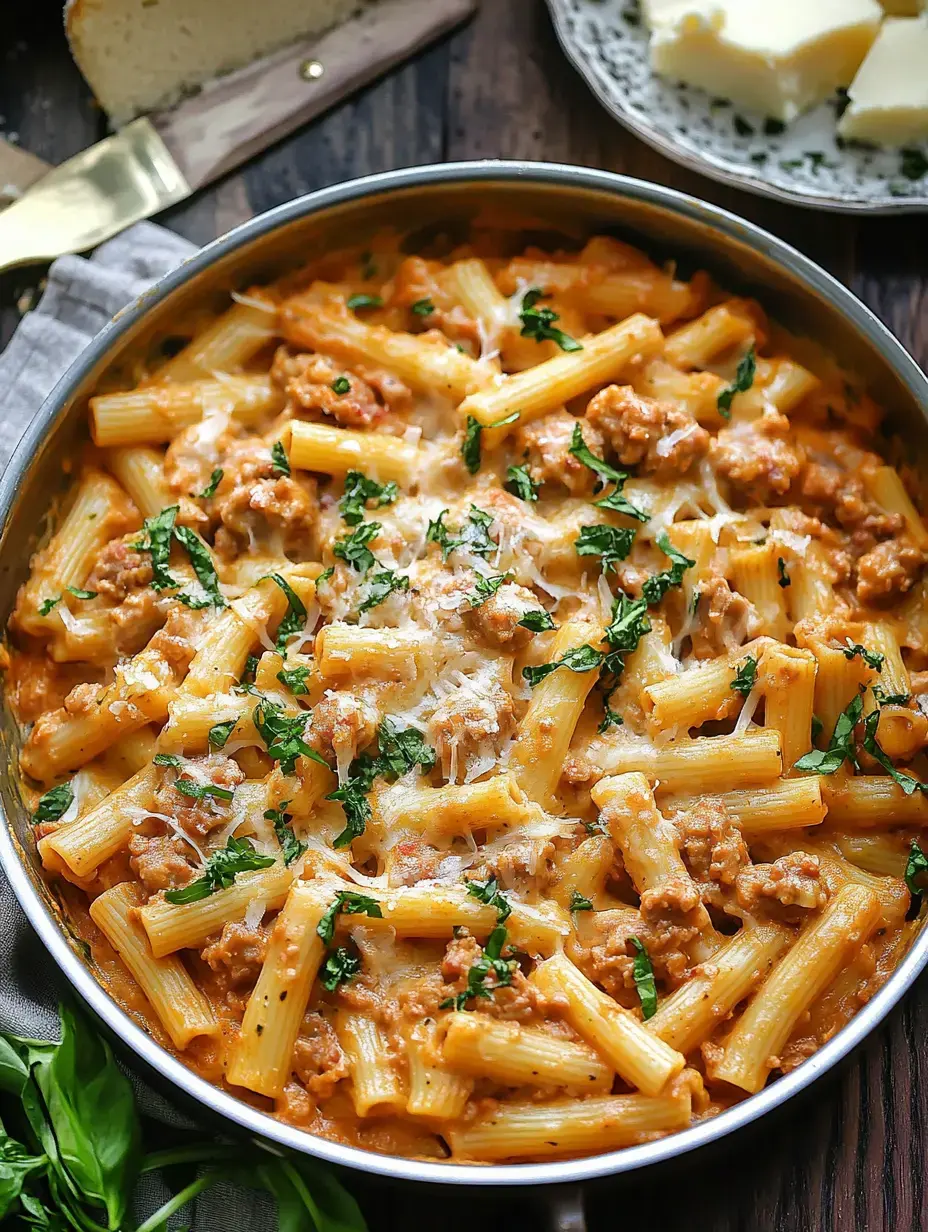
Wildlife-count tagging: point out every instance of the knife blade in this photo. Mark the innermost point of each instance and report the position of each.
(158, 160)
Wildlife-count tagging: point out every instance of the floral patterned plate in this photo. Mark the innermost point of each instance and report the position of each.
(805, 163)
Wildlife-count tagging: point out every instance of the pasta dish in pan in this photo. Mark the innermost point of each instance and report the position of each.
(472, 702)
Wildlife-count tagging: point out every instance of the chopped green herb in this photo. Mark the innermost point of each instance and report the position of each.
(438, 532)
(55, 802)
(219, 733)
(579, 903)
(81, 594)
(890, 699)
(341, 385)
(470, 449)
(294, 619)
(817, 727)
(324, 576)
(743, 129)
(352, 796)
(489, 892)
(283, 735)
(744, 379)
(578, 659)
(491, 963)
(380, 586)
(907, 782)
(340, 967)
(251, 669)
(280, 463)
(474, 536)
(215, 480)
(401, 749)
(916, 867)
(346, 902)
(168, 759)
(783, 578)
(745, 677)
(290, 846)
(538, 620)
(520, 483)
(643, 975)
(294, 679)
(202, 791)
(611, 718)
(368, 267)
(358, 491)
(364, 301)
(912, 163)
(202, 564)
(655, 587)
(353, 548)
(220, 871)
(694, 602)
(422, 308)
(870, 657)
(841, 748)
(615, 501)
(486, 587)
(610, 543)
(157, 533)
(538, 323)
(47, 604)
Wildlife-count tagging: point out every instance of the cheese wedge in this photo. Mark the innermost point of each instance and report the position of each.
(778, 59)
(889, 95)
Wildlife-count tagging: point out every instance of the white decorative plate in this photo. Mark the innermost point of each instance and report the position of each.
(805, 163)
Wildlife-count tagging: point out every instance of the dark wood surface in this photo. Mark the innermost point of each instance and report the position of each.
(850, 1156)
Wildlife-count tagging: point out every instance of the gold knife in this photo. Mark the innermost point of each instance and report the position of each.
(158, 160)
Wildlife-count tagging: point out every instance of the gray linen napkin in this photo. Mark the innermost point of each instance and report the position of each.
(80, 298)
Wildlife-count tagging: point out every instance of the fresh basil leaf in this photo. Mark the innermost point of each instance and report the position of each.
(643, 975)
(486, 587)
(380, 586)
(353, 548)
(202, 564)
(470, 449)
(346, 902)
(422, 308)
(283, 735)
(578, 659)
(290, 846)
(219, 733)
(168, 759)
(539, 621)
(215, 480)
(608, 542)
(340, 967)
(364, 301)
(841, 748)
(81, 594)
(520, 483)
(157, 533)
(619, 503)
(221, 869)
(358, 491)
(491, 963)
(475, 536)
(202, 791)
(489, 892)
(744, 379)
(538, 323)
(55, 802)
(17, 1166)
(745, 677)
(294, 679)
(870, 657)
(783, 578)
(907, 782)
(611, 718)
(890, 699)
(294, 618)
(579, 449)
(916, 867)
(655, 587)
(48, 604)
(352, 796)
(579, 903)
(280, 463)
(401, 749)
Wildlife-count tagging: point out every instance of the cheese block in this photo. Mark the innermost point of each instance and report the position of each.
(142, 54)
(889, 95)
(778, 58)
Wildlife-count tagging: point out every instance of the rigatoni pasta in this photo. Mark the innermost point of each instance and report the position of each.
(471, 690)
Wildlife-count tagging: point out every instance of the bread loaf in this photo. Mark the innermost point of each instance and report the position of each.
(142, 54)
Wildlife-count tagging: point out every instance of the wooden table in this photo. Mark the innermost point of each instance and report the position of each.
(850, 1157)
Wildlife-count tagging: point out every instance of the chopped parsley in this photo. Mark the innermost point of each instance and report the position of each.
(486, 587)
(915, 868)
(340, 967)
(358, 491)
(215, 480)
(47, 604)
(538, 323)
(422, 308)
(341, 385)
(606, 473)
(578, 659)
(538, 620)
(290, 846)
(220, 871)
(579, 903)
(783, 578)
(202, 564)
(294, 619)
(520, 483)
(346, 902)
(280, 463)
(200, 791)
(157, 533)
(283, 735)
(744, 379)
(219, 733)
(353, 548)
(381, 586)
(364, 301)
(611, 543)
(841, 748)
(643, 975)
(294, 679)
(745, 677)
(81, 594)
(55, 802)
(870, 657)
(907, 782)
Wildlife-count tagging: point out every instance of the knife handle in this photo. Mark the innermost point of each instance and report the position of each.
(237, 115)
